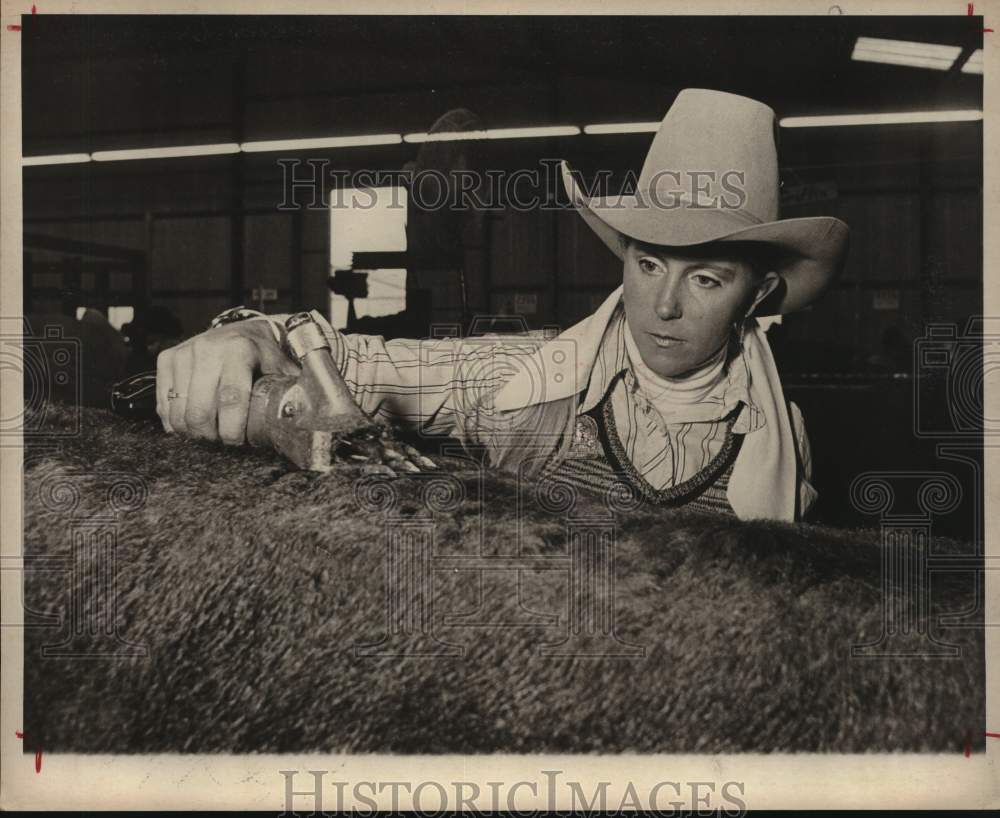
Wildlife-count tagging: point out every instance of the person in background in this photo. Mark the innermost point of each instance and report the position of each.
(88, 375)
(669, 387)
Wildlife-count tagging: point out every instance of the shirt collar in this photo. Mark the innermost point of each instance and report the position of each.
(589, 355)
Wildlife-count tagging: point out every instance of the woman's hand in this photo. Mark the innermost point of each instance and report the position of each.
(203, 384)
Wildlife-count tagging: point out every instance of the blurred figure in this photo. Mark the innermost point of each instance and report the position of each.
(86, 379)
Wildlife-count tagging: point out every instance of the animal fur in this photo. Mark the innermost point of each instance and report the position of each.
(250, 586)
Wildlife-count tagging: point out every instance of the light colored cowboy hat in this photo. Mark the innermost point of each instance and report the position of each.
(721, 135)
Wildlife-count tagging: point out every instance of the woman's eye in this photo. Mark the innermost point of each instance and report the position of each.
(705, 281)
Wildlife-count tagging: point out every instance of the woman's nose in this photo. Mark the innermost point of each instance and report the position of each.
(668, 299)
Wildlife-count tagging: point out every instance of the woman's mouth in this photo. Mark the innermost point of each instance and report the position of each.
(665, 341)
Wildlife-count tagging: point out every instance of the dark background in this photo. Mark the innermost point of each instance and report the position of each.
(201, 233)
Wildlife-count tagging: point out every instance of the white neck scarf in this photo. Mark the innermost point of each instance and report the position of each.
(667, 394)
(763, 480)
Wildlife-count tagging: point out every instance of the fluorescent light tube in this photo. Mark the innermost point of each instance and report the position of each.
(916, 49)
(454, 136)
(880, 119)
(320, 143)
(55, 159)
(897, 59)
(166, 153)
(495, 133)
(622, 127)
(904, 52)
(531, 133)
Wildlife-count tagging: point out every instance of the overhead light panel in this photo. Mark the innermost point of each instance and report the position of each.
(275, 145)
(622, 127)
(55, 159)
(974, 65)
(907, 118)
(905, 52)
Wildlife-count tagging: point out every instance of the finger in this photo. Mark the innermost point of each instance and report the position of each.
(417, 457)
(391, 455)
(182, 362)
(234, 397)
(201, 410)
(397, 460)
(164, 383)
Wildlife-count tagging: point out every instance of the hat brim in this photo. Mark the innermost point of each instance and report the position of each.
(815, 248)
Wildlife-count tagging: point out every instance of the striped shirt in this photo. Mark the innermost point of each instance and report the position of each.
(667, 453)
(444, 387)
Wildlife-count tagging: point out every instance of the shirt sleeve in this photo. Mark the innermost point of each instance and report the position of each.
(439, 386)
(807, 493)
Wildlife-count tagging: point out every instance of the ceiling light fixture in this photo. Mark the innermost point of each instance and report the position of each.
(494, 133)
(904, 52)
(55, 159)
(533, 133)
(165, 153)
(275, 145)
(880, 119)
(621, 127)
(444, 136)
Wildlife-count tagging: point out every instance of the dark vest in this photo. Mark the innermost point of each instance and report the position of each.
(597, 463)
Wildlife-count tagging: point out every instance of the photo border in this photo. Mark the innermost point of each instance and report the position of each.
(253, 782)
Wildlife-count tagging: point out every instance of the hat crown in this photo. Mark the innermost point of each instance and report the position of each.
(713, 144)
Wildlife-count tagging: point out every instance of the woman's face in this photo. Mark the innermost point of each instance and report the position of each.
(681, 303)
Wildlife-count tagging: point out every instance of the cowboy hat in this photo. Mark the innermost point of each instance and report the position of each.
(711, 175)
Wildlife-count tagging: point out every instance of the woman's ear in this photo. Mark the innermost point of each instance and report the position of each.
(763, 289)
